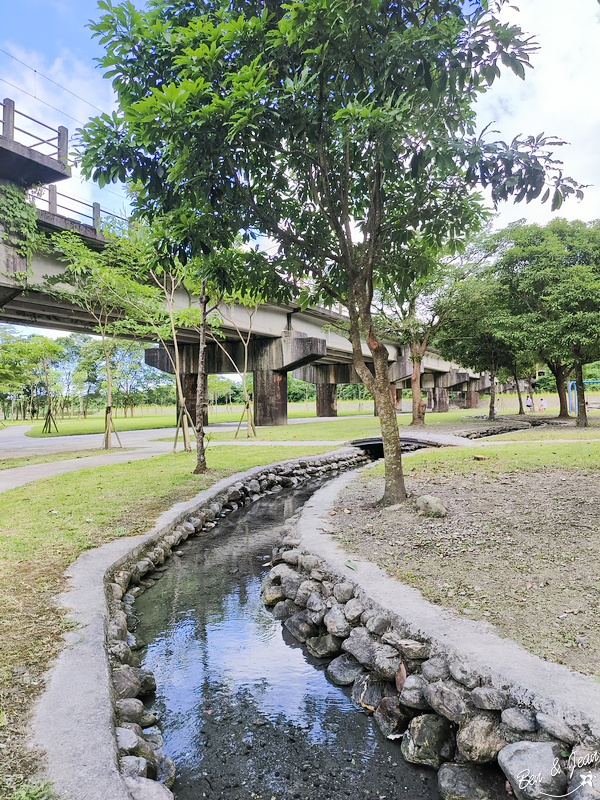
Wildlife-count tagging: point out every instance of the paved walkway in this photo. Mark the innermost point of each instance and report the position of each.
(139, 445)
(15, 444)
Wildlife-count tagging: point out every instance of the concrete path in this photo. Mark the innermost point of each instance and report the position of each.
(140, 444)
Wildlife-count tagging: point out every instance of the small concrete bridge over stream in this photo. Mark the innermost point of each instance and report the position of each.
(283, 338)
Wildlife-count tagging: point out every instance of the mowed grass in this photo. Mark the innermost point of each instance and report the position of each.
(500, 459)
(554, 432)
(26, 461)
(94, 423)
(44, 526)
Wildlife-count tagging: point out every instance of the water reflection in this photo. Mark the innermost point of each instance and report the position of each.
(242, 707)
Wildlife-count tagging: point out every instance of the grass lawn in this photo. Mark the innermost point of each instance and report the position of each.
(44, 526)
(94, 423)
(25, 461)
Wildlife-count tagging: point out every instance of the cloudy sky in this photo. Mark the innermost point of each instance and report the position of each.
(560, 96)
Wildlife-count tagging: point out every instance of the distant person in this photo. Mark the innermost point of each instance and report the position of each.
(543, 405)
(529, 403)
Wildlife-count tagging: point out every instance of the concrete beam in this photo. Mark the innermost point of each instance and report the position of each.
(327, 373)
(298, 350)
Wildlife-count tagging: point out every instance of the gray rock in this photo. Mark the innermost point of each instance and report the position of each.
(391, 718)
(529, 767)
(114, 591)
(154, 737)
(144, 789)
(467, 782)
(121, 652)
(284, 609)
(336, 622)
(382, 658)
(327, 589)
(353, 609)
(290, 583)
(309, 562)
(519, 719)
(126, 741)
(278, 572)
(131, 709)
(583, 770)
(343, 592)
(316, 617)
(489, 698)
(272, 593)
(409, 648)
(377, 624)
(480, 740)
(556, 727)
(146, 679)
(368, 691)
(315, 602)
(344, 669)
(134, 767)
(324, 646)
(167, 772)
(431, 506)
(435, 669)
(449, 700)
(412, 694)
(305, 590)
(291, 557)
(463, 674)
(428, 740)
(126, 682)
(301, 626)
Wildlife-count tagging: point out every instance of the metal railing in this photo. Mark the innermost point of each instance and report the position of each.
(55, 146)
(48, 198)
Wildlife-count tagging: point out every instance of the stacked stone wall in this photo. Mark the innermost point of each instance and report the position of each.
(442, 712)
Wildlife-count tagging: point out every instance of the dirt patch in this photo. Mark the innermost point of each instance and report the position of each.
(520, 550)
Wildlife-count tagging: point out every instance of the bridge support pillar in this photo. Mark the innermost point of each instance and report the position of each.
(441, 400)
(189, 382)
(326, 399)
(398, 399)
(471, 399)
(270, 397)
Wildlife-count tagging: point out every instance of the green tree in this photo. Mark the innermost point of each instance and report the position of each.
(551, 276)
(339, 129)
(479, 334)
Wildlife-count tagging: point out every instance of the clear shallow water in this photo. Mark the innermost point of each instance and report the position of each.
(245, 711)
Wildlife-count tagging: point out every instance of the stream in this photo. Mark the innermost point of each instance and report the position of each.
(245, 711)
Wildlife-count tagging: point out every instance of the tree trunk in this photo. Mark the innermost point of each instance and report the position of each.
(582, 420)
(379, 386)
(520, 396)
(561, 373)
(201, 397)
(106, 442)
(492, 414)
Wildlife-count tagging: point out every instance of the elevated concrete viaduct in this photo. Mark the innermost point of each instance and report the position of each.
(283, 338)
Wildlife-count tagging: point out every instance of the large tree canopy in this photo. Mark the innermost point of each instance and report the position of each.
(340, 129)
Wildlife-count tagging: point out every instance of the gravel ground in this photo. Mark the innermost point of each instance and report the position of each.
(519, 550)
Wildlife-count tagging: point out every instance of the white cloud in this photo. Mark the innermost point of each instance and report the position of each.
(559, 97)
